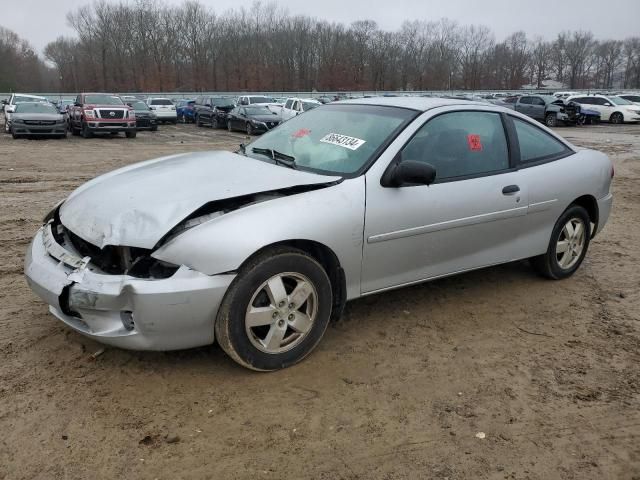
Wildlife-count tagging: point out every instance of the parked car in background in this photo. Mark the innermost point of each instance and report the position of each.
(213, 111)
(101, 113)
(185, 110)
(611, 108)
(146, 118)
(37, 118)
(631, 97)
(296, 106)
(506, 102)
(63, 106)
(164, 109)
(252, 119)
(564, 94)
(255, 100)
(9, 105)
(543, 108)
(258, 250)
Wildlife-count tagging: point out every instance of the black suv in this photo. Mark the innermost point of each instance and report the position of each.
(212, 111)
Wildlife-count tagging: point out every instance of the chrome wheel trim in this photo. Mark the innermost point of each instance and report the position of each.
(281, 312)
(570, 244)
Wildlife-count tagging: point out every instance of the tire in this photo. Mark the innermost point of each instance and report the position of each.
(229, 126)
(551, 120)
(6, 127)
(214, 123)
(249, 129)
(548, 264)
(198, 122)
(131, 134)
(86, 133)
(15, 136)
(617, 118)
(154, 128)
(250, 346)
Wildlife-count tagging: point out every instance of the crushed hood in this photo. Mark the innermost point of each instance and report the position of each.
(137, 205)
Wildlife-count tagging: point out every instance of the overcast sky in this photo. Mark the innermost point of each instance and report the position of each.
(41, 21)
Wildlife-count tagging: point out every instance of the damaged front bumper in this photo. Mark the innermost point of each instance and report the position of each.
(127, 312)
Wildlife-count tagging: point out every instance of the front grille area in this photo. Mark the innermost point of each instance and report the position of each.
(106, 124)
(107, 113)
(39, 122)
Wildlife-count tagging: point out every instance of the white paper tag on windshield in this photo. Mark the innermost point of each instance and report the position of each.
(351, 143)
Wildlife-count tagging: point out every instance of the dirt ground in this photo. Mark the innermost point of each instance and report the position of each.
(400, 388)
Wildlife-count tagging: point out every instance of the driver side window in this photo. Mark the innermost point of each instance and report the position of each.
(460, 144)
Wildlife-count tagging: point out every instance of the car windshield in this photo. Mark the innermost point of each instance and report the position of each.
(35, 108)
(17, 100)
(221, 102)
(161, 101)
(260, 100)
(258, 111)
(138, 104)
(619, 101)
(308, 106)
(103, 99)
(632, 98)
(335, 139)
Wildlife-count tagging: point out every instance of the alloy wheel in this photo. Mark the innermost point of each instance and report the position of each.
(281, 312)
(570, 243)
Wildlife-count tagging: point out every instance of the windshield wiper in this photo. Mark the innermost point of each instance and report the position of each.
(278, 157)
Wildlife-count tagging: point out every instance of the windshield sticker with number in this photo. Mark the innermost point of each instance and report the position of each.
(351, 143)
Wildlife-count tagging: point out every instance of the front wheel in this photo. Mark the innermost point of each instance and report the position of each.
(568, 245)
(214, 123)
(617, 118)
(249, 129)
(551, 120)
(86, 132)
(131, 134)
(154, 128)
(275, 311)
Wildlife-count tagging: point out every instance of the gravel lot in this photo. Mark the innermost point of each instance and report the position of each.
(399, 388)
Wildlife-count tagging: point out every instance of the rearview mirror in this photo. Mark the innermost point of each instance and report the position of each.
(408, 173)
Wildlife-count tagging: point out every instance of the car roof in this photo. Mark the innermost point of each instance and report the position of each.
(414, 103)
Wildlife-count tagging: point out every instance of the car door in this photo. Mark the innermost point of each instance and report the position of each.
(537, 108)
(523, 105)
(471, 216)
(286, 110)
(607, 108)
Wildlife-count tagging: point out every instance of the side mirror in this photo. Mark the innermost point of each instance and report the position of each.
(608, 105)
(130, 105)
(77, 104)
(408, 173)
(207, 105)
(10, 109)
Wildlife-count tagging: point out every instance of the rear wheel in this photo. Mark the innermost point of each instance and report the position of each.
(276, 310)
(568, 245)
(551, 120)
(617, 118)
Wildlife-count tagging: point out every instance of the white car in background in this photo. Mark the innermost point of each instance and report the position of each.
(612, 108)
(296, 106)
(631, 97)
(565, 94)
(10, 105)
(164, 109)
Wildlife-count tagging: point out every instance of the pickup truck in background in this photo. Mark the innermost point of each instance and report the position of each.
(101, 113)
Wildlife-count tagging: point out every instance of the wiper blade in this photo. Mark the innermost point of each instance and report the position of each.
(277, 157)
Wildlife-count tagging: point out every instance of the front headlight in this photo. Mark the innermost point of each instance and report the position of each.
(16, 120)
(89, 113)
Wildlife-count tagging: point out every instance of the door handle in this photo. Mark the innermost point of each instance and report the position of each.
(510, 189)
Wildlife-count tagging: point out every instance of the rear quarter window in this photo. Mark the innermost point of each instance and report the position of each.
(537, 145)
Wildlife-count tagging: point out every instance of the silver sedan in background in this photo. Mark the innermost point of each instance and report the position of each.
(259, 249)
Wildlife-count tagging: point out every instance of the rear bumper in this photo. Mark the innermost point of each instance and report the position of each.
(168, 314)
(166, 115)
(604, 210)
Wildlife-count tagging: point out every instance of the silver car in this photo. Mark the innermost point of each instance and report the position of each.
(259, 249)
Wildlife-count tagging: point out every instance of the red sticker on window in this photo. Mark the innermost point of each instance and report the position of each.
(303, 132)
(475, 145)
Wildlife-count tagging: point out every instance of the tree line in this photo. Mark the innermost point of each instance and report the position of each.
(145, 45)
